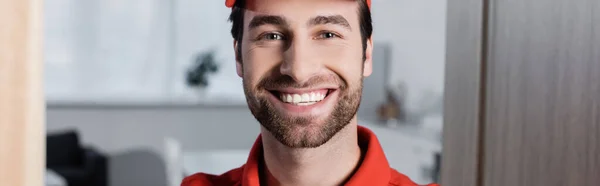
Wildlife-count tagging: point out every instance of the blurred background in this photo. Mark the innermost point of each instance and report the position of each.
(145, 92)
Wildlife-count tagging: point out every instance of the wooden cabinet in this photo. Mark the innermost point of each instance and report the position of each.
(522, 93)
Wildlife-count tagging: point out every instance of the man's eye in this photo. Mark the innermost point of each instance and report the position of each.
(273, 36)
(327, 35)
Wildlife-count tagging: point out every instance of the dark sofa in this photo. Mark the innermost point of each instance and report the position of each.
(80, 166)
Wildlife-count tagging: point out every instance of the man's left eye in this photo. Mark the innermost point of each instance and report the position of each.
(327, 35)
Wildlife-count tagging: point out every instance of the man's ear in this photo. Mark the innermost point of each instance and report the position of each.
(238, 59)
(368, 63)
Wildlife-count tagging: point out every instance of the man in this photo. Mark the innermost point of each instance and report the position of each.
(302, 63)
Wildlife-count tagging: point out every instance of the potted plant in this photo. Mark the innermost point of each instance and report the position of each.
(197, 76)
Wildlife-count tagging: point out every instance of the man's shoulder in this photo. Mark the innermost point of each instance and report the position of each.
(230, 178)
(399, 179)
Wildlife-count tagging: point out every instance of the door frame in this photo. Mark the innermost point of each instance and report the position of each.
(464, 92)
(22, 112)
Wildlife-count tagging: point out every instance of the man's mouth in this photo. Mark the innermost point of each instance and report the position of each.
(302, 98)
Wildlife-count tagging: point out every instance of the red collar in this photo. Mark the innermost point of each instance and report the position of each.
(374, 169)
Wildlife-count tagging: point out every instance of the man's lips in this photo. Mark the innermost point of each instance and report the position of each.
(301, 96)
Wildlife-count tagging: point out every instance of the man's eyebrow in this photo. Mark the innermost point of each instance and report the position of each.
(333, 19)
(267, 19)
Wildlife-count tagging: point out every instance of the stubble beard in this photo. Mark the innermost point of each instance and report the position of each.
(296, 131)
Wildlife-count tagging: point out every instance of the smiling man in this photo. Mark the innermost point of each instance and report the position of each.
(302, 63)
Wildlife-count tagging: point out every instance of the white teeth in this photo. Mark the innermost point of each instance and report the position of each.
(304, 104)
(297, 98)
(302, 99)
(305, 98)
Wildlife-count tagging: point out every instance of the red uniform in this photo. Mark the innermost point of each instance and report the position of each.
(374, 169)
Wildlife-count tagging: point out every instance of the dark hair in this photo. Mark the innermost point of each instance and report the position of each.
(237, 28)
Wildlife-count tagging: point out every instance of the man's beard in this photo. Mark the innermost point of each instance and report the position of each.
(297, 131)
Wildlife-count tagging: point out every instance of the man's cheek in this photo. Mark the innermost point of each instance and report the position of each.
(256, 65)
(346, 67)
(351, 75)
(337, 53)
(265, 55)
(261, 63)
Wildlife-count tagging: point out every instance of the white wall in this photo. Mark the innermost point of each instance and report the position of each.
(416, 29)
(106, 49)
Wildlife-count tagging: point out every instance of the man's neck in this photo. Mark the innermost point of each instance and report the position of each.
(330, 164)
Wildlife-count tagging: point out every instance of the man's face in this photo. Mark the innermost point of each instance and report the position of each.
(302, 67)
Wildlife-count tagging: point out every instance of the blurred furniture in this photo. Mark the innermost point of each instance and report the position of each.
(79, 166)
(173, 161)
(435, 175)
(393, 107)
(53, 179)
(141, 166)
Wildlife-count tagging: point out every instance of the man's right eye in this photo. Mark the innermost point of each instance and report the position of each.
(272, 36)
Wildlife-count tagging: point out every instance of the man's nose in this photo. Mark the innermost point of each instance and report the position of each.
(299, 62)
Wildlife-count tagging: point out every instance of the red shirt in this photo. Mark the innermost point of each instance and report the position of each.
(373, 171)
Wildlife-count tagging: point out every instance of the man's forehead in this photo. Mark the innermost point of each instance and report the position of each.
(231, 3)
(301, 11)
(265, 6)
(260, 20)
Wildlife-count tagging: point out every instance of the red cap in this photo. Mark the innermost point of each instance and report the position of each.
(230, 3)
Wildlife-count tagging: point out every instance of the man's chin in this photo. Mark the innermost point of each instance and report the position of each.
(304, 137)
(300, 122)
(301, 132)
